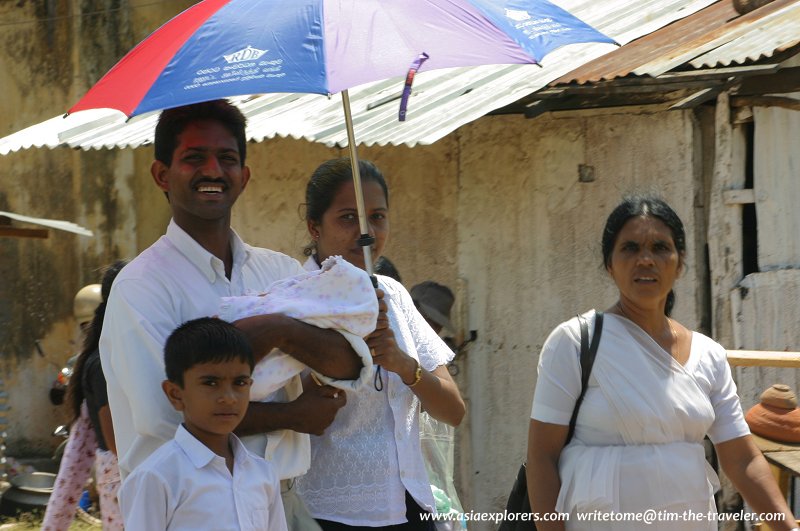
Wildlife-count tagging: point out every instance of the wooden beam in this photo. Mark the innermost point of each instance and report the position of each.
(766, 101)
(15, 232)
(569, 103)
(698, 98)
(763, 358)
(540, 107)
(741, 115)
(705, 74)
(615, 89)
(783, 81)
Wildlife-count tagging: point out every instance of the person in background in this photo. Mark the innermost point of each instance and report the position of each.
(91, 434)
(385, 267)
(204, 478)
(367, 470)
(437, 439)
(655, 391)
(435, 301)
(200, 153)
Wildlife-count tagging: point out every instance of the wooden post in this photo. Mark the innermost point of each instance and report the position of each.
(725, 221)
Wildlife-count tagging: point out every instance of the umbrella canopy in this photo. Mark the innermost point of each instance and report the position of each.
(223, 48)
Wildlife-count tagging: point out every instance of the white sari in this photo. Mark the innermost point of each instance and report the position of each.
(638, 442)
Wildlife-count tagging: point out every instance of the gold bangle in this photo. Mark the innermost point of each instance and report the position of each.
(417, 375)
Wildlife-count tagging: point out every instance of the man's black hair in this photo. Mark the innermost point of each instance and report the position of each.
(173, 122)
(204, 340)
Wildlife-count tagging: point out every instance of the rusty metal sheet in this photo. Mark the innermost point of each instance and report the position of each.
(771, 34)
(717, 30)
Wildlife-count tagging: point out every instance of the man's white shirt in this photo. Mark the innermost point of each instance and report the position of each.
(173, 281)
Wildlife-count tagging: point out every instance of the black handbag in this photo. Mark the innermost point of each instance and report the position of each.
(518, 501)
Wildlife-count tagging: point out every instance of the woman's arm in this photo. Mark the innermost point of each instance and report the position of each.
(107, 428)
(439, 395)
(437, 392)
(545, 442)
(748, 470)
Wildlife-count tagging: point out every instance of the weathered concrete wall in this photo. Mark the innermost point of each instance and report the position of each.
(50, 52)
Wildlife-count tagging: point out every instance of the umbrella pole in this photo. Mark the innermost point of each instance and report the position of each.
(365, 241)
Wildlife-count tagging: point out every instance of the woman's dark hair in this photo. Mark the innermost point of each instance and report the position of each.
(75, 391)
(384, 266)
(326, 181)
(644, 206)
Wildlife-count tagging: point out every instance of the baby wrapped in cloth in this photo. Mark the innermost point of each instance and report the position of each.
(339, 296)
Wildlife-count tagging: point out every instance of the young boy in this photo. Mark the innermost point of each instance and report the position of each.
(205, 478)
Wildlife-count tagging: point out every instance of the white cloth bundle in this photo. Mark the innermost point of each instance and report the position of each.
(338, 296)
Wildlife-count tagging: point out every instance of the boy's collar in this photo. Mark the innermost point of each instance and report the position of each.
(201, 455)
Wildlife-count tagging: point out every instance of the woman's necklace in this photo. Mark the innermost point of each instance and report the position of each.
(672, 331)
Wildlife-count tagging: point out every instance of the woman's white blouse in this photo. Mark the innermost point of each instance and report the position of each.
(370, 455)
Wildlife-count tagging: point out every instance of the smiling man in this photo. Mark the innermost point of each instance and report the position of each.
(200, 155)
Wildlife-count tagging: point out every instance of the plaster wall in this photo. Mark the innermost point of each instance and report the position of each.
(50, 52)
(422, 201)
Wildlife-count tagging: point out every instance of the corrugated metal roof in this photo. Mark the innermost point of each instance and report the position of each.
(771, 34)
(442, 101)
(715, 36)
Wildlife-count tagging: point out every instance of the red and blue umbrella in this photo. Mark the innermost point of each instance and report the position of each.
(222, 48)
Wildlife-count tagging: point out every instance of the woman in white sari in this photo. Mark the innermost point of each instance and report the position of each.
(637, 460)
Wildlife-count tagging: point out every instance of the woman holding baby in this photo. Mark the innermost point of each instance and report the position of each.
(367, 470)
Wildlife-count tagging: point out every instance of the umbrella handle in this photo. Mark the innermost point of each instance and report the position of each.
(378, 380)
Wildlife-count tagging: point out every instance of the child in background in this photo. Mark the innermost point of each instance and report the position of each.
(91, 432)
(205, 478)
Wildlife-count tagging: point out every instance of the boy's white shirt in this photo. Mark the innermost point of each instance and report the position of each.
(185, 486)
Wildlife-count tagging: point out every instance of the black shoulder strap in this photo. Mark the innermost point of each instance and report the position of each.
(588, 353)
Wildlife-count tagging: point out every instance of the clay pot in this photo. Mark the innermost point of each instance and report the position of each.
(780, 396)
(776, 417)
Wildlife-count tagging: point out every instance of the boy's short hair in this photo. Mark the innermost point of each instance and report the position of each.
(204, 340)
